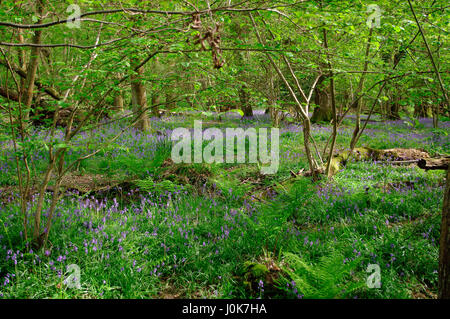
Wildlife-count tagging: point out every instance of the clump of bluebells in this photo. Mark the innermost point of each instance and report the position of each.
(121, 245)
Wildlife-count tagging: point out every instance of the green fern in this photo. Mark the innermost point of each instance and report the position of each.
(329, 278)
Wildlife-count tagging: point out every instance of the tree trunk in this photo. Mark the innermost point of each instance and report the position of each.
(22, 60)
(323, 111)
(245, 102)
(394, 107)
(156, 92)
(307, 144)
(118, 102)
(303, 111)
(444, 253)
(358, 104)
(32, 67)
(139, 97)
(333, 105)
(423, 110)
(156, 100)
(272, 97)
(170, 99)
(434, 164)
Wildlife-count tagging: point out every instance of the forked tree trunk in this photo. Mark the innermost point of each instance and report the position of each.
(139, 97)
(302, 110)
(444, 252)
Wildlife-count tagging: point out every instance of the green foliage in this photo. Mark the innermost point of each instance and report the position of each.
(203, 223)
(163, 187)
(332, 277)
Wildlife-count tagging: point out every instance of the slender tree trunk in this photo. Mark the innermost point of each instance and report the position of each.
(139, 97)
(156, 97)
(32, 67)
(272, 100)
(333, 104)
(170, 99)
(307, 144)
(444, 252)
(435, 111)
(40, 203)
(22, 60)
(359, 90)
(430, 55)
(156, 100)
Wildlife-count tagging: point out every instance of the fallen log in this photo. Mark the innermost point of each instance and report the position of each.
(434, 163)
(394, 156)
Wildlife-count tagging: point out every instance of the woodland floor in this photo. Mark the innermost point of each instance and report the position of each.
(140, 226)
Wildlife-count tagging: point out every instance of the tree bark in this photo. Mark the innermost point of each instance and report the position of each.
(357, 105)
(423, 110)
(170, 99)
(32, 66)
(156, 100)
(139, 97)
(434, 164)
(444, 252)
(323, 111)
(118, 102)
(245, 102)
(333, 104)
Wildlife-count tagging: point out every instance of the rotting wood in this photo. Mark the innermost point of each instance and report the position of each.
(434, 163)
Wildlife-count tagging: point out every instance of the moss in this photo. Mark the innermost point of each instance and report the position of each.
(258, 271)
(254, 270)
(360, 153)
(253, 273)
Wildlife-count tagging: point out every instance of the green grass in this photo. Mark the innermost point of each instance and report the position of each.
(195, 231)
